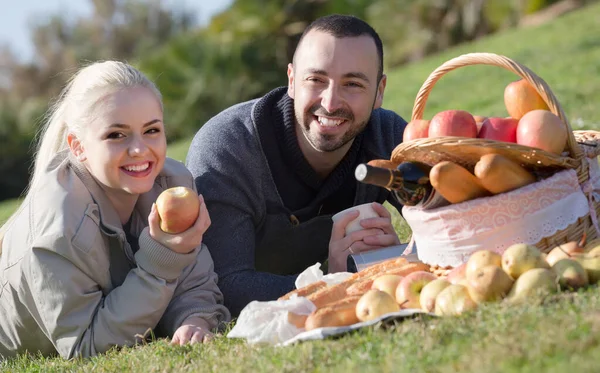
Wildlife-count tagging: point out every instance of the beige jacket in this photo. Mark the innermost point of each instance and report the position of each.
(71, 284)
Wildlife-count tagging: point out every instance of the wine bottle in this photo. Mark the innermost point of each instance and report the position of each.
(409, 183)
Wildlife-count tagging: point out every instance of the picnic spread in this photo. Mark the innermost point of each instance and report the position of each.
(500, 209)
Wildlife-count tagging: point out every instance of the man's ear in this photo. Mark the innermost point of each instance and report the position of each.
(380, 90)
(76, 147)
(290, 74)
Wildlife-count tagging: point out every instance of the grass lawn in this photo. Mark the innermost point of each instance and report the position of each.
(556, 334)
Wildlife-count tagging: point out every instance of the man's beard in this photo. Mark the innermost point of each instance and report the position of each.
(329, 143)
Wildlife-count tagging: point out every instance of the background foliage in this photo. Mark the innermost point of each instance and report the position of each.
(241, 54)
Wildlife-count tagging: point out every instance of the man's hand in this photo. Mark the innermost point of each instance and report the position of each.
(387, 236)
(193, 330)
(341, 246)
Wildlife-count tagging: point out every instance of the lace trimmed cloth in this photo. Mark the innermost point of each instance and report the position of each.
(448, 235)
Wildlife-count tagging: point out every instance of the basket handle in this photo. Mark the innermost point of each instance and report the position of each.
(501, 61)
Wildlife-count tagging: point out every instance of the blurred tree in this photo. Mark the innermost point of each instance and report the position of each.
(117, 29)
(241, 54)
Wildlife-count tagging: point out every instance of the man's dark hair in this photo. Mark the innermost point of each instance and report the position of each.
(343, 26)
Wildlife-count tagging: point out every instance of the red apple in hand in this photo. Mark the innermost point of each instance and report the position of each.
(416, 129)
(178, 209)
(500, 129)
(408, 292)
(453, 123)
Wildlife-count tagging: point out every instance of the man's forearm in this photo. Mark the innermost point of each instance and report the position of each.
(241, 288)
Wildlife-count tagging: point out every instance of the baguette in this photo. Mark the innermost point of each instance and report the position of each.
(333, 293)
(297, 320)
(365, 284)
(455, 183)
(305, 290)
(499, 174)
(340, 313)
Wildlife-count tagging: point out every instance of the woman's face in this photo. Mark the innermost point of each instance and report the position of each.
(124, 146)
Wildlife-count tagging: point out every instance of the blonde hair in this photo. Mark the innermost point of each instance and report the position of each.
(74, 108)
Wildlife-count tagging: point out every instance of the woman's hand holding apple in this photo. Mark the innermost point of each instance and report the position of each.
(180, 242)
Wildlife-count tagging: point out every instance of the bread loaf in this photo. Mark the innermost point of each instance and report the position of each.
(340, 313)
(305, 290)
(362, 286)
(334, 293)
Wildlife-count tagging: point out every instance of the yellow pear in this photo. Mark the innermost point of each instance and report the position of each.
(489, 284)
(571, 274)
(375, 303)
(430, 293)
(519, 258)
(591, 263)
(454, 300)
(387, 283)
(482, 258)
(536, 281)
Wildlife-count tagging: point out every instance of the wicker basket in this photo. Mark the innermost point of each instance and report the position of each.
(467, 151)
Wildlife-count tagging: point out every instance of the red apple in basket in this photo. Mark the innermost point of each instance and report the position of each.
(416, 129)
(409, 289)
(453, 123)
(544, 130)
(375, 303)
(178, 209)
(479, 121)
(499, 129)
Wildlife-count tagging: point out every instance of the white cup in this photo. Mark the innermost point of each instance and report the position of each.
(366, 211)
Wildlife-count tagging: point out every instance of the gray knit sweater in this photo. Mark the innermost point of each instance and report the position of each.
(270, 212)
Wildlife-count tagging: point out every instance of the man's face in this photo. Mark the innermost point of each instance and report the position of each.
(333, 82)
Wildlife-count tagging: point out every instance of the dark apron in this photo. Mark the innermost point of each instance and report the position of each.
(286, 247)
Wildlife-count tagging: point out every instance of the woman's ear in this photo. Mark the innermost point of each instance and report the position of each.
(76, 147)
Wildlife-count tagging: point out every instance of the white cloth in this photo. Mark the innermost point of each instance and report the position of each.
(267, 322)
(448, 235)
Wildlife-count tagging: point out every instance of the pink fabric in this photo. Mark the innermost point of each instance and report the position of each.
(448, 235)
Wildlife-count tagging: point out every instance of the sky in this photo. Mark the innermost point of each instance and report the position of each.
(18, 14)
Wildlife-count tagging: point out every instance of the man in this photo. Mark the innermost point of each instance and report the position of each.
(274, 170)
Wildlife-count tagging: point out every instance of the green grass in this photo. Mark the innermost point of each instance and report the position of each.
(6, 209)
(557, 334)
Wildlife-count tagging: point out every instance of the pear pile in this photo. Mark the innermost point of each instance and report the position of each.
(521, 272)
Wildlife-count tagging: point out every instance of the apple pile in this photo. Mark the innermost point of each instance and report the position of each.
(530, 123)
(520, 272)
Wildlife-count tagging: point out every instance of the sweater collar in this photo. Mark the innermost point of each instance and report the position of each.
(276, 110)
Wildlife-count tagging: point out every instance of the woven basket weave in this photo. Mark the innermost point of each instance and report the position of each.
(467, 151)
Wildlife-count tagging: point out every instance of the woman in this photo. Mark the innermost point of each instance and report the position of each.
(84, 264)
